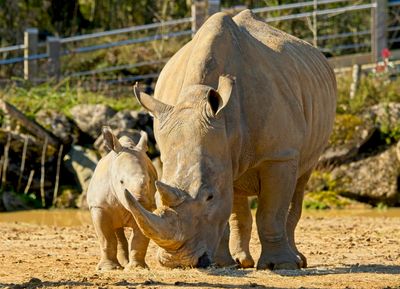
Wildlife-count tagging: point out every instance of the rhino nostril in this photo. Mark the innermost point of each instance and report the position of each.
(204, 261)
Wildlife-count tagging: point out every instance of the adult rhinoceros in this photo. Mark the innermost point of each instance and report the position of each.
(258, 134)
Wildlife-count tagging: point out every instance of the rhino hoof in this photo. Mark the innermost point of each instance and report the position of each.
(303, 262)
(244, 261)
(280, 266)
(135, 265)
(108, 266)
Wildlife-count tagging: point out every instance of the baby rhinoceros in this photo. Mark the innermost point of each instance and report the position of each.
(125, 167)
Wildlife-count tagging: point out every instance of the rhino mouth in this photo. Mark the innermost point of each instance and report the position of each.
(179, 259)
(204, 261)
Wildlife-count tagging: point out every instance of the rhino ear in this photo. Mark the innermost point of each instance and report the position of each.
(142, 144)
(219, 98)
(111, 142)
(156, 107)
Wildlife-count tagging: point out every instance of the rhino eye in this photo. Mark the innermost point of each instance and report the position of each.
(210, 197)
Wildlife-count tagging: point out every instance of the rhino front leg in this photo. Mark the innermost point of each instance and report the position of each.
(122, 248)
(138, 244)
(240, 223)
(108, 241)
(223, 256)
(294, 214)
(278, 180)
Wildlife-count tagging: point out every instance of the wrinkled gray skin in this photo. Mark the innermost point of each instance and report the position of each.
(125, 167)
(223, 139)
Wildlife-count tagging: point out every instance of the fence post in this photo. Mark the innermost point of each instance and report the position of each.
(199, 13)
(214, 6)
(53, 51)
(379, 29)
(31, 44)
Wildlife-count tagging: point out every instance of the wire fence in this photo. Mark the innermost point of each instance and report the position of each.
(58, 48)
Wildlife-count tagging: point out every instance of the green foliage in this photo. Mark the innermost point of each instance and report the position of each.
(390, 134)
(325, 200)
(322, 194)
(372, 90)
(381, 206)
(345, 128)
(31, 200)
(62, 97)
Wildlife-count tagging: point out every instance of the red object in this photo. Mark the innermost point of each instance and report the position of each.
(385, 53)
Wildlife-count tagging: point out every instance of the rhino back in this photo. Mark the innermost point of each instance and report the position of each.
(99, 190)
(285, 93)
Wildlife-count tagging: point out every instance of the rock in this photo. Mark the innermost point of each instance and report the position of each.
(12, 202)
(59, 125)
(385, 115)
(123, 120)
(350, 134)
(81, 162)
(90, 118)
(68, 198)
(373, 179)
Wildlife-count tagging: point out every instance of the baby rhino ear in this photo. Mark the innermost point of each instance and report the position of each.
(142, 144)
(110, 140)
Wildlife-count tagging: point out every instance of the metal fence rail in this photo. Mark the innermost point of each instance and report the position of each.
(127, 30)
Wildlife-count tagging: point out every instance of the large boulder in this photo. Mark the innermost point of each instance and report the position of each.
(385, 115)
(350, 133)
(374, 179)
(91, 117)
(81, 162)
(124, 119)
(59, 125)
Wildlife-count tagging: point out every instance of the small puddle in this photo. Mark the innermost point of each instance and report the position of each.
(58, 217)
(373, 213)
(71, 217)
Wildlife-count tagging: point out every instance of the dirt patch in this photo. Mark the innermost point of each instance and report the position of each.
(345, 251)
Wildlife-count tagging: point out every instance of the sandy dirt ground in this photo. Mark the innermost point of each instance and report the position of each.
(344, 251)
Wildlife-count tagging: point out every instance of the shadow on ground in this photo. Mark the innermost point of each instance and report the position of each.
(372, 268)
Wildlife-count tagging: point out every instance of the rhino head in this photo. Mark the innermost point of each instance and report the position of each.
(196, 188)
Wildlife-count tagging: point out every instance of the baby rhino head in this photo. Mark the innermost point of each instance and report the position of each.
(130, 168)
(112, 143)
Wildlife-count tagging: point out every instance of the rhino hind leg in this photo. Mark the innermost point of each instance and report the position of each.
(240, 224)
(223, 256)
(278, 181)
(294, 214)
(122, 248)
(107, 238)
(138, 244)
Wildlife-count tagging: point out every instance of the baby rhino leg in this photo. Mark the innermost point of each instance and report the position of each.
(107, 238)
(138, 244)
(122, 251)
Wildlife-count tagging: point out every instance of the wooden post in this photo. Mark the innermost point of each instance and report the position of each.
(199, 13)
(214, 6)
(379, 29)
(31, 44)
(54, 53)
(315, 27)
(356, 80)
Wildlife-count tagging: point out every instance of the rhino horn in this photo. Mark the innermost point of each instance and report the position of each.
(169, 195)
(160, 229)
(156, 107)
